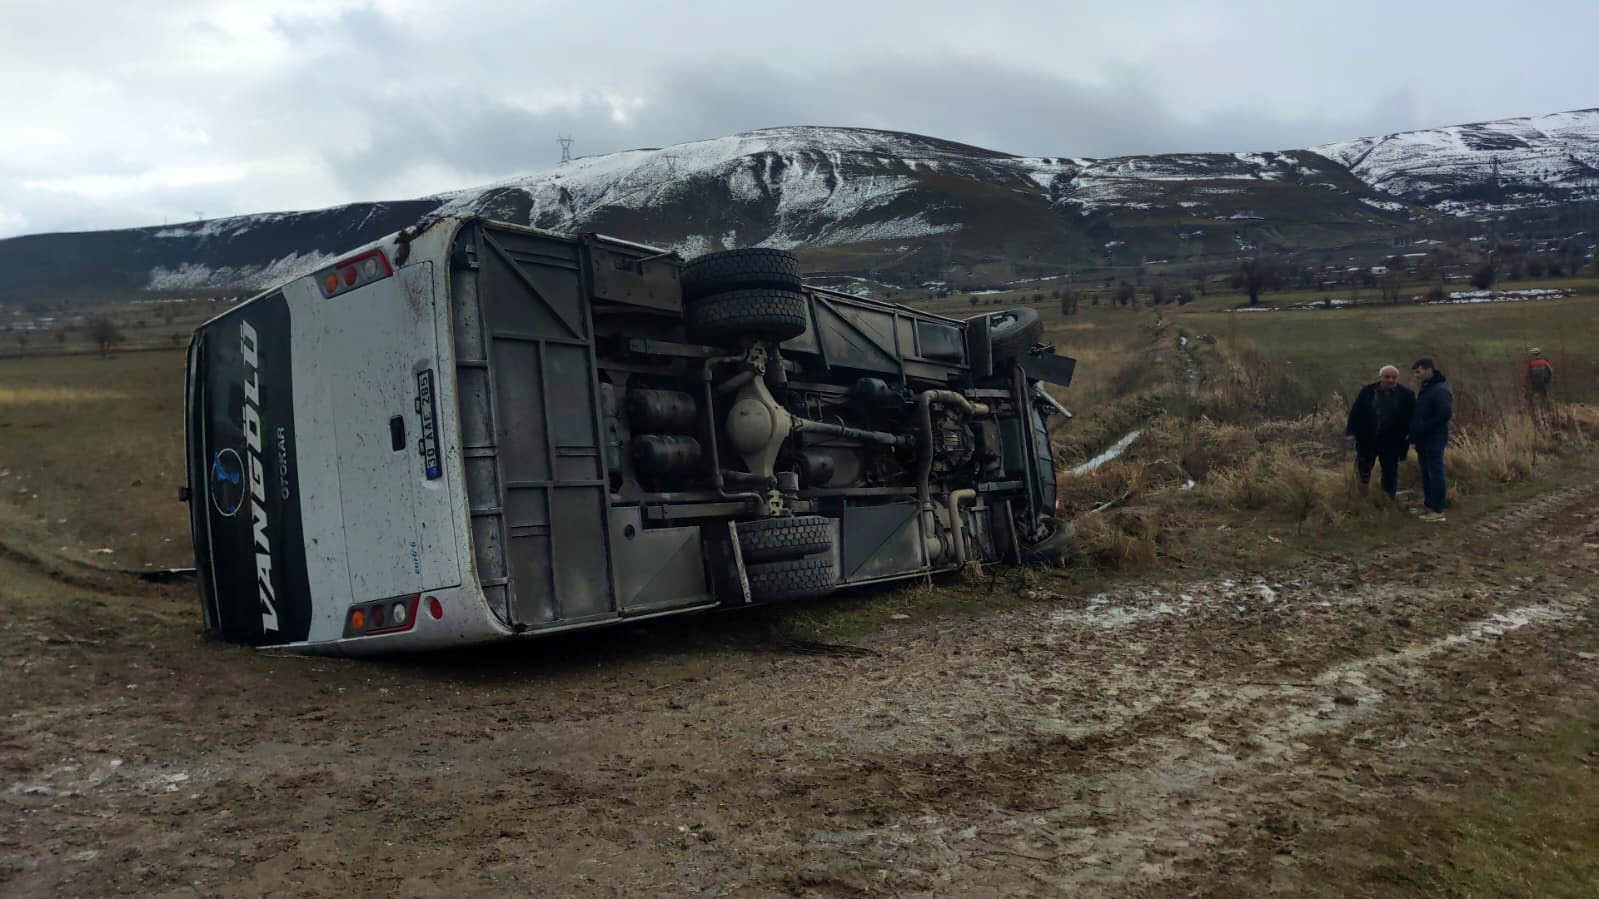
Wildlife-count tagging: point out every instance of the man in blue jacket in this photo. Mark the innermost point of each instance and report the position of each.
(1429, 434)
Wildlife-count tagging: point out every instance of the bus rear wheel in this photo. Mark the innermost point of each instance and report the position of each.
(797, 579)
(753, 267)
(726, 319)
(771, 539)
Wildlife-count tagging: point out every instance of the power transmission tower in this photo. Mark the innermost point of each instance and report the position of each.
(566, 148)
(671, 163)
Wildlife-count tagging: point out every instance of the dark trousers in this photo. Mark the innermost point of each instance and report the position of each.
(1430, 456)
(1367, 456)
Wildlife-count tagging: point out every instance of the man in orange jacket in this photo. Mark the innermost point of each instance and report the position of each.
(1536, 379)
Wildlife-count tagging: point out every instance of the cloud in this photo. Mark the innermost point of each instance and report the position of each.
(146, 112)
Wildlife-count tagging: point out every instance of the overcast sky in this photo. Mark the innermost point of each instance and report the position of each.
(124, 114)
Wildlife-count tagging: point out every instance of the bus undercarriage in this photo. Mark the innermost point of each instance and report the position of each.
(582, 430)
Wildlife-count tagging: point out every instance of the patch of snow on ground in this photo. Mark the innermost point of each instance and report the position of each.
(692, 245)
(189, 275)
(1116, 449)
(1501, 296)
(912, 226)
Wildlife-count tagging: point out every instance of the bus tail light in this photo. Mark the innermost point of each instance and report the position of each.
(357, 271)
(435, 608)
(385, 616)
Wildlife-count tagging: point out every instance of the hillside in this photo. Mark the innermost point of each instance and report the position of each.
(1509, 164)
(861, 199)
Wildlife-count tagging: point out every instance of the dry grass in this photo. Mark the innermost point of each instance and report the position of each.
(1187, 482)
(56, 396)
(1119, 539)
(91, 456)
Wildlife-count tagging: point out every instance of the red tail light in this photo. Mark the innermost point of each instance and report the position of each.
(385, 616)
(357, 271)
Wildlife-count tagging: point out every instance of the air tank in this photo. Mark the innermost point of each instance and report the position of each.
(661, 412)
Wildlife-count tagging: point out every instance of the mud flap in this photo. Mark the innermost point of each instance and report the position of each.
(726, 560)
(1051, 367)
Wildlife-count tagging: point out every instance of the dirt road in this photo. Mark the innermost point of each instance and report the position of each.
(1201, 736)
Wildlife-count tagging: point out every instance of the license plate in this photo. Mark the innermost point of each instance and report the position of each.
(427, 409)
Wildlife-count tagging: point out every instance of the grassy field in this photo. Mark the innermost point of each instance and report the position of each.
(1226, 298)
(138, 326)
(91, 458)
(1482, 348)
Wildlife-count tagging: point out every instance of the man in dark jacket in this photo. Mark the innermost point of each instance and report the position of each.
(1379, 426)
(1429, 433)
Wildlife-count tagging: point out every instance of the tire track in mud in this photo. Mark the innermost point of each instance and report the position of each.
(1166, 784)
(72, 574)
(1138, 799)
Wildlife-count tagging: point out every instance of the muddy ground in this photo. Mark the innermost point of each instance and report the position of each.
(1210, 735)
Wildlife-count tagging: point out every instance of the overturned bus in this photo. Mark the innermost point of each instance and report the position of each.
(472, 430)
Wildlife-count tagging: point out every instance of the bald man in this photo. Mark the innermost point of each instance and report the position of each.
(1379, 427)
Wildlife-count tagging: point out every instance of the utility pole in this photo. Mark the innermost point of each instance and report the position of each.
(1493, 233)
(566, 148)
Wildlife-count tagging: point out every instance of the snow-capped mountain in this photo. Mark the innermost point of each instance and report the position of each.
(888, 198)
(1471, 169)
(781, 187)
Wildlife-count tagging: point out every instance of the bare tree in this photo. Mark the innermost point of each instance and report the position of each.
(104, 332)
(1389, 284)
(1254, 276)
(1483, 277)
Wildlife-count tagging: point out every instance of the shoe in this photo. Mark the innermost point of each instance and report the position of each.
(1433, 516)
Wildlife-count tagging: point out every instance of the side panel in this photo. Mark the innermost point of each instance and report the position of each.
(656, 569)
(617, 273)
(530, 419)
(257, 551)
(893, 341)
(880, 541)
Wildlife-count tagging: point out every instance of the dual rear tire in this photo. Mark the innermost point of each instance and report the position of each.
(741, 295)
(731, 299)
(788, 558)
